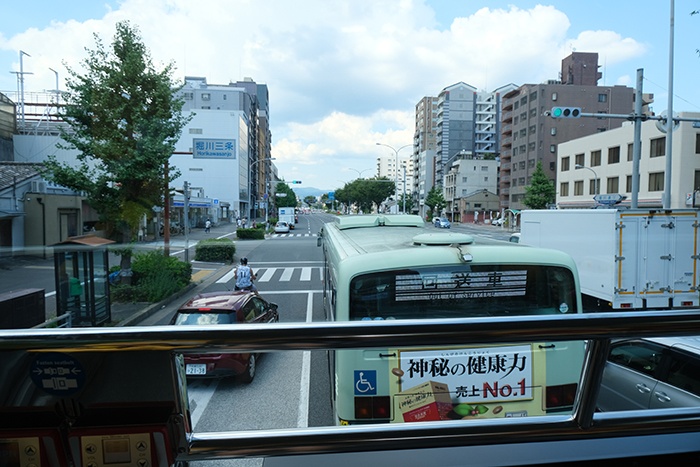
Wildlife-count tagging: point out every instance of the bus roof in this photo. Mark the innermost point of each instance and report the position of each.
(375, 220)
(396, 243)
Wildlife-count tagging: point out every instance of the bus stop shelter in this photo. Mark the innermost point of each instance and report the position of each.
(81, 268)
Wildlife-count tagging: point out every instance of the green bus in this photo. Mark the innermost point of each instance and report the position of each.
(391, 267)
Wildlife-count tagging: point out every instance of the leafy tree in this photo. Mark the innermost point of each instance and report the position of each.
(409, 201)
(435, 200)
(124, 119)
(541, 190)
(289, 200)
(365, 193)
(310, 200)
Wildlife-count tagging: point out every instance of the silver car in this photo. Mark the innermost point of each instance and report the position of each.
(651, 373)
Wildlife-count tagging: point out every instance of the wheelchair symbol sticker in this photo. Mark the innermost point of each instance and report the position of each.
(365, 382)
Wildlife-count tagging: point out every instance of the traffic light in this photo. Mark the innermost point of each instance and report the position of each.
(296, 181)
(565, 112)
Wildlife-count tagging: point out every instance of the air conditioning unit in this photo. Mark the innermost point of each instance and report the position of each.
(38, 186)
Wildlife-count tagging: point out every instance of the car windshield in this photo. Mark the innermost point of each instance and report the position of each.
(203, 318)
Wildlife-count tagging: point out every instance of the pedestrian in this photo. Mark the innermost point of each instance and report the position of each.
(245, 277)
(207, 226)
(245, 222)
(238, 221)
(255, 224)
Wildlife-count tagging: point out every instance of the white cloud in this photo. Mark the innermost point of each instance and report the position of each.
(330, 65)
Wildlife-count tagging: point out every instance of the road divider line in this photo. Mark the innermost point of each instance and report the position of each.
(305, 386)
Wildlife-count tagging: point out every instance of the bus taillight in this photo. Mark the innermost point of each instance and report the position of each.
(372, 407)
(560, 397)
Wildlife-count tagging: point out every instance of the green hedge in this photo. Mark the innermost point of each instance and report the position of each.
(215, 250)
(251, 234)
(154, 278)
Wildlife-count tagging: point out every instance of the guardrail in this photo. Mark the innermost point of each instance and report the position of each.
(583, 435)
(63, 321)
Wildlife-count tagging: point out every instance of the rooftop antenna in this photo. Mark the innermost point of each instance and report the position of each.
(20, 83)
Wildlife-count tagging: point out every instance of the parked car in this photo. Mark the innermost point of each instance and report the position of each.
(514, 237)
(651, 373)
(442, 222)
(497, 221)
(282, 227)
(224, 308)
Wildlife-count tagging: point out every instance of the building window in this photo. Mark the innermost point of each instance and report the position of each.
(656, 181)
(531, 146)
(602, 97)
(533, 96)
(565, 163)
(189, 96)
(533, 113)
(630, 152)
(578, 188)
(522, 165)
(658, 147)
(593, 186)
(614, 155)
(579, 159)
(613, 185)
(595, 158)
(206, 96)
(697, 143)
(553, 131)
(531, 163)
(225, 96)
(533, 129)
(564, 189)
(206, 107)
(521, 181)
(195, 131)
(554, 96)
(628, 188)
(552, 148)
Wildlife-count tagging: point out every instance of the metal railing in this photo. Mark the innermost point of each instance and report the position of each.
(584, 425)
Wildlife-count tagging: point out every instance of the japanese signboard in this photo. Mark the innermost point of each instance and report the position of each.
(479, 381)
(213, 148)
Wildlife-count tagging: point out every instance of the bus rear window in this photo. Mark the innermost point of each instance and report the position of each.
(463, 291)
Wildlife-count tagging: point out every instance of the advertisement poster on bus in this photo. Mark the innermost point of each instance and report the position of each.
(467, 382)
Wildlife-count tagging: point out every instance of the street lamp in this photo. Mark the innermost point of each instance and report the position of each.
(396, 169)
(250, 192)
(595, 187)
(359, 172)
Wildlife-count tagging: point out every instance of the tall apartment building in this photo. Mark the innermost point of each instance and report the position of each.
(455, 131)
(528, 136)
(461, 120)
(424, 145)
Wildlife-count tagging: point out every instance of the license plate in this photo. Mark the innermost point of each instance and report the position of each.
(196, 369)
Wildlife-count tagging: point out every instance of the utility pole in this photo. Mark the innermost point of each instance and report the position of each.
(186, 221)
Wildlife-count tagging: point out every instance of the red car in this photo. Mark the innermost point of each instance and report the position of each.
(227, 307)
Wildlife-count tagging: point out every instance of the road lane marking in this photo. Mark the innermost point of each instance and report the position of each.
(267, 276)
(306, 274)
(303, 418)
(287, 275)
(199, 397)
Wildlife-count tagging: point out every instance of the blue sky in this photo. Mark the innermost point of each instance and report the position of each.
(345, 74)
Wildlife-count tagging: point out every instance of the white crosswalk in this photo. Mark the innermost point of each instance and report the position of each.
(277, 235)
(287, 274)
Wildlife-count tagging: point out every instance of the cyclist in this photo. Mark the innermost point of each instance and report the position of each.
(245, 276)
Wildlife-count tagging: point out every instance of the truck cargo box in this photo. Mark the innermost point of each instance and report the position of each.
(628, 259)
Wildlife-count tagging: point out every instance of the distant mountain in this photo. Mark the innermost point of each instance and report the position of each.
(309, 191)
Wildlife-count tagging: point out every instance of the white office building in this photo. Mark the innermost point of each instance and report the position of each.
(605, 162)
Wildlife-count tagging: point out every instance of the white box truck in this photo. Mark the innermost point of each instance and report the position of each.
(287, 215)
(626, 259)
